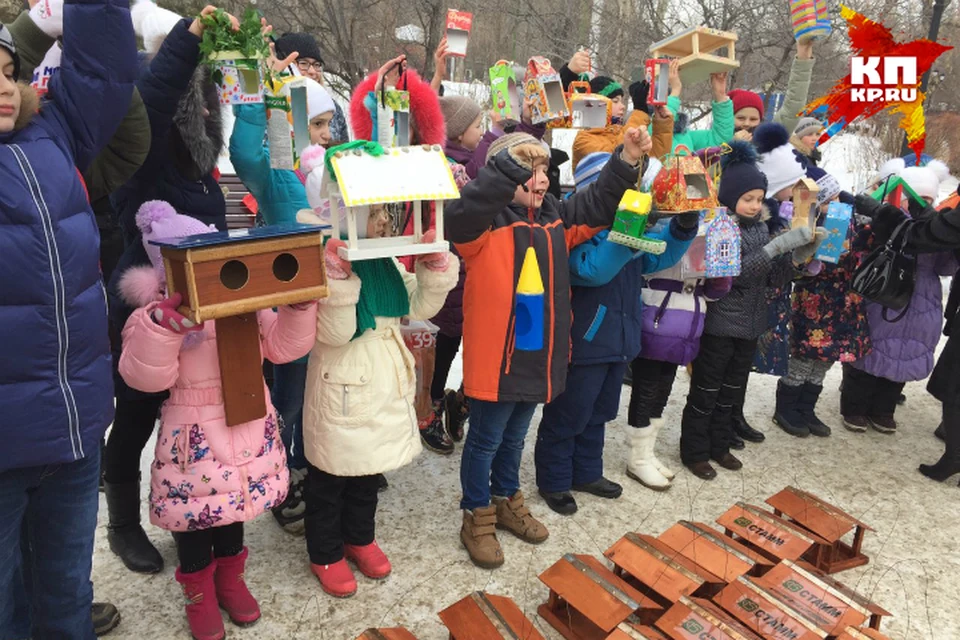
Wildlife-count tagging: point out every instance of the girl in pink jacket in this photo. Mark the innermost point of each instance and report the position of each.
(207, 479)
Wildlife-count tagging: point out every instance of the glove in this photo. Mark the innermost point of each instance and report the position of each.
(166, 315)
(638, 94)
(48, 16)
(689, 220)
(337, 267)
(866, 206)
(788, 242)
(517, 163)
(807, 251)
(433, 261)
(716, 288)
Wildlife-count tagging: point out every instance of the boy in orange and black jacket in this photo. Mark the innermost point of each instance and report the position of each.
(498, 216)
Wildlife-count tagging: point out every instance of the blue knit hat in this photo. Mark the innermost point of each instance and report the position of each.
(589, 168)
(6, 41)
(739, 174)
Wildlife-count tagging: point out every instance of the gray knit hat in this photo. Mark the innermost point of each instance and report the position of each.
(6, 42)
(806, 126)
(459, 112)
(508, 141)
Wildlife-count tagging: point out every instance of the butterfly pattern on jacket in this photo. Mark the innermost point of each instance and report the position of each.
(205, 519)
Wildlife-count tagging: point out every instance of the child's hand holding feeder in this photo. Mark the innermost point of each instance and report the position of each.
(636, 144)
(337, 267)
(166, 315)
(433, 261)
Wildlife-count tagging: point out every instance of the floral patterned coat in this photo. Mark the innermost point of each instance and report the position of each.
(204, 473)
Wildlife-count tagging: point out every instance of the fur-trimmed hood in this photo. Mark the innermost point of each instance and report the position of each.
(197, 139)
(428, 125)
(765, 216)
(29, 106)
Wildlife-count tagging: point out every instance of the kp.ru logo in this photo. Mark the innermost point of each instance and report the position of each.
(883, 79)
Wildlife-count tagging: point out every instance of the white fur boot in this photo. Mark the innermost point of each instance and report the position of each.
(656, 424)
(641, 461)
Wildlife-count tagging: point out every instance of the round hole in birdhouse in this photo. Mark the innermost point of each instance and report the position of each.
(285, 267)
(234, 274)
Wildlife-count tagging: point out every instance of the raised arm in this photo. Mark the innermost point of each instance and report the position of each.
(798, 87)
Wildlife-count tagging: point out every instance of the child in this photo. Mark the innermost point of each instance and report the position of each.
(734, 323)
(56, 395)
(607, 321)
(359, 418)
(804, 139)
(207, 478)
(499, 216)
(721, 129)
(902, 350)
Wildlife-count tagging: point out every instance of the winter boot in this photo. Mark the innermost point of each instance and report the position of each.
(127, 538)
(289, 513)
(561, 502)
(203, 614)
(657, 424)
(857, 424)
(105, 618)
(949, 462)
(884, 424)
(457, 411)
(788, 416)
(369, 558)
(479, 535)
(641, 462)
(939, 432)
(232, 593)
(743, 429)
(335, 579)
(514, 516)
(432, 432)
(809, 394)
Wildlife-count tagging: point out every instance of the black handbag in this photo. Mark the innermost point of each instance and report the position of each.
(886, 276)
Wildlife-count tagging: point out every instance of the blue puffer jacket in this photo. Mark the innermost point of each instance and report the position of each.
(606, 281)
(56, 396)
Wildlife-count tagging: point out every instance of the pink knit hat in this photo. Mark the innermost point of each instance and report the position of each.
(158, 220)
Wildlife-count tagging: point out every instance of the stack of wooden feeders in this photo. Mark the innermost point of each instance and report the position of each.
(765, 576)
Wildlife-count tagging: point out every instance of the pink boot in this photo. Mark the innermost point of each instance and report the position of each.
(336, 579)
(232, 592)
(370, 560)
(203, 614)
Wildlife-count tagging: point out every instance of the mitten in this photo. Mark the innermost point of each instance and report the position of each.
(638, 94)
(433, 261)
(166, 315)
(716, 288)
(689, 220)
(337, 267)
(48, 16)
(866, 206)
(517, 162)
(807, 251)
(788, 242)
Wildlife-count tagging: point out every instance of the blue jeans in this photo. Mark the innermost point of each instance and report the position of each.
(289, 383)
(48, 516)
(491, 455)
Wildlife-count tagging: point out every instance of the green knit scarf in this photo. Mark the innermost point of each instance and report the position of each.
(382, 293)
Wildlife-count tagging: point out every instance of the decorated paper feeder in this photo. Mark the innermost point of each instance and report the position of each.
(239, 78)
(810, 19)
(630, 224)
(504, 92)
(588, 110)
(542, 85)
(699, 50)
(404, 174)
(683, 184)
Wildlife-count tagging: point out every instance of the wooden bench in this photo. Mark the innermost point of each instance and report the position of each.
(238, 215)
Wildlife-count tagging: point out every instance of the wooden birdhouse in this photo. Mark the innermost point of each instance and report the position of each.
(837, 225)
(877, 613)
(394, 633)
(484, 616)
(239, 78)
(695, 618)
(701, 51)
(764, 613)
(288, 122)
(542, 85)
(588, 110)
(630, 224)
(659, 569)
(897, 192)
(810, 19)
(722, 247)
(633, 629)
(228, 277)
(805, 212)
(504, 92)
(588, 602)
(683, 184)
(767, 533)
(719, 554)
(851, 633)
(459, 24)
(658, 77)
(407, 174)
(393, 118)
(829, 523)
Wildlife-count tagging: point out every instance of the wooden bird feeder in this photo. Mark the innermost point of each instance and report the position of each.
(394, 633)
(851, 633)
(660, 569)
(587, 601)
(764, 613)
(228, 277)
(699, 51)
(767, 533)
(403, 174)
(695, 618)
(877, 613)
(632, 629)
(484, 616)
(805, 210)
(719, 554)
(828, 522)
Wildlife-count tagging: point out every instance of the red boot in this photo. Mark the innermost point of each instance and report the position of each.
(336, 579)
(370, 560)
(232, 592)
(203, 614)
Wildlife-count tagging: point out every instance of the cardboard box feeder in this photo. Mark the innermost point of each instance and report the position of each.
(505, 93)
(288, 125)
(543, 86)
(459, 24)
(239, 78)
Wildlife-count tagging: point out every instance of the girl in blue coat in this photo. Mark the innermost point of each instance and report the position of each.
(607, 279)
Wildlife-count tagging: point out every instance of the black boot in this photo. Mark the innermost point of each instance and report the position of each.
(787, 415)
(105, 618)
(743, 429)
(949, 462)
(809, 394)
(939, 432)
(127, 538)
